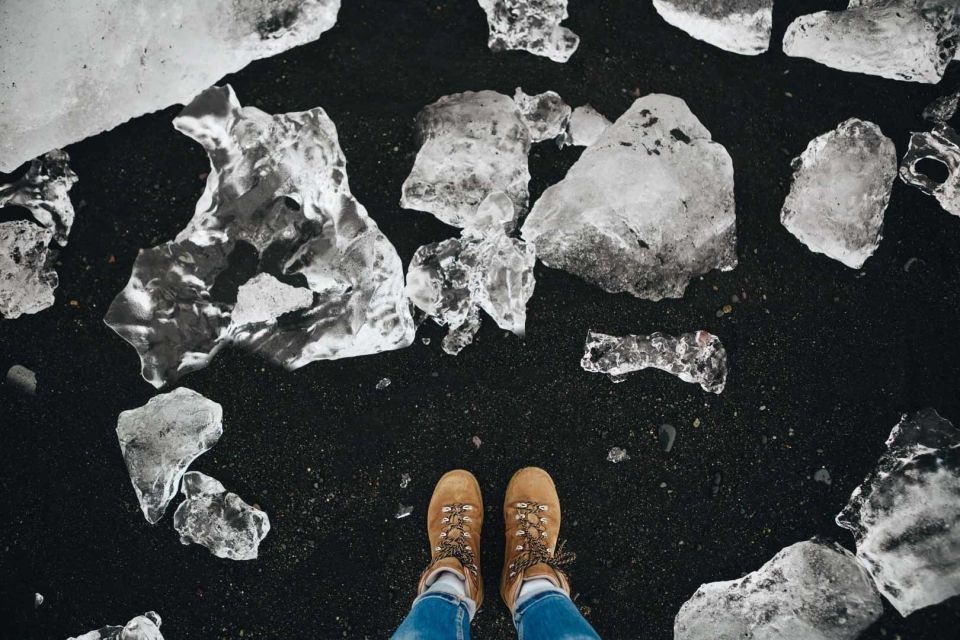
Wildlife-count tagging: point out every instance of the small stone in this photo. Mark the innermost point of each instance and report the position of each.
(403, 511)
(37, 600)
(617, 455)
(404, 480)
(476, 441)
(667, 434)
(22, 380)
(822, 476)
(383, 384)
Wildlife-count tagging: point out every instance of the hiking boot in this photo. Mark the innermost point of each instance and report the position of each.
(531, 513)
(454, 519)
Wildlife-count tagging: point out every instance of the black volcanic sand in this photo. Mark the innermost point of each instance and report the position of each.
(823, 360)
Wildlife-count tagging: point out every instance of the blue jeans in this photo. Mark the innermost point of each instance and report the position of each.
(549, 615)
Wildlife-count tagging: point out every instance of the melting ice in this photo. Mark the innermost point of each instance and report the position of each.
(740, 26)
(940, 145)
(530, 25)
(145, 627)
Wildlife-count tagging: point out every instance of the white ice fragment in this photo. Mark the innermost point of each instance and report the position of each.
(473, 144)
(810, 590)
(277, 184)
(822, 476)
(263, 298)
(70, 74)
(546, 114)
(530, 25)
(383, 383)
(647, 207)
(905, 516)
(219, 520)
(145, 627)
(585, 127)
(403, 511)
(161, 439)
(404, 480)
(910, 40)
(37, 600)
(941, 145)
(943, 108)
(693, 357)
(476, 441)
(617, 455)
(44, 190)
(739, 26)
(841, 187)
(22, 379)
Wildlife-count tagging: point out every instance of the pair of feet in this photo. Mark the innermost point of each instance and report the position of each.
(531, 514)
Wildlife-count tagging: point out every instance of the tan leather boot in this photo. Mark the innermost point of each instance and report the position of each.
(531, 513)
(454, 519)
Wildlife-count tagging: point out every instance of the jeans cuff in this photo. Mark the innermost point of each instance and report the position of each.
(523, 606)
(468, 605)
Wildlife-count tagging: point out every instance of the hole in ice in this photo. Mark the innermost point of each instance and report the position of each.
(933, 169)
(291, 204)
(12, 213)
(241, 266)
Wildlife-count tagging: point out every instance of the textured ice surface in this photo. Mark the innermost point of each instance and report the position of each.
(841, 186)
(899, 39)
(905, 515)
(740, 26)
(546, 114)
(809, 591)
(22, 379)
(482, 269)
(159, 441)
(943, 108)
(70, 74)
(646, 208)
(585, 127)
(27, 278)
(219, 520)
(531, 25)
(941, 145)
(277, 188)
(473, 144)
(693, 357)
(617, 455)
(145, 627)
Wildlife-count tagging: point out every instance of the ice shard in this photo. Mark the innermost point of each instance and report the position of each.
(68, 74)
(942, 146)
(941, 110)
(530, 25)
(161, 439)
(739, 26)
(905, 516)
(145, 627)
(219, 520)
(646, 208)
(693, 357)
(472, 144)
(451, 281)
(810, 590)
(277, 189)
(22, 380)
(585, 127)
(910, 40)
(841, 187)
(546, 114)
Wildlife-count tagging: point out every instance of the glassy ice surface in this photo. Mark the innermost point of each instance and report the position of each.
(810, 590)
(941, 145)
(70, 74)
(841, 187)
(585, 127)
(546, 114)
(277, 189)
(693, 357)
(899, 39)
(27, 278)
(161, 439)
(740, 26)
(219, 520)
(145, 627)
(473, 144)
(905, 516)
(530, 25)
(22, 379)
(647, 207)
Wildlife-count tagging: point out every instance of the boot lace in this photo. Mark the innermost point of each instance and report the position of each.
(455, 536)
(534, 547)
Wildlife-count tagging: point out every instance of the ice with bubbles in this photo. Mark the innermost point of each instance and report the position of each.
(942, 145)
(546, 114)
(145, 627)
(530, 25)
(739, 26)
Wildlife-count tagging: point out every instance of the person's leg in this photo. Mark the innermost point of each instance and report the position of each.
(436, 615)
(551, 615)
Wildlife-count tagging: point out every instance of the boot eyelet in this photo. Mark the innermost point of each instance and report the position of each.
(519, 547)
(542, 507)
(521, 505)
(447, 509)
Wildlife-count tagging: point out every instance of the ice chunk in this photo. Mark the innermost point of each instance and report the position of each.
(145, 627)
(905, 515)
(546, 114)
(617, 455)
(646, 208)
(383, 383)
(68, 74)
(841, 186)
(693, 357)
(585, 127)
(473, 144)
(403, 511)
(44, 191)
(159, 441)
(530, 25)
(943, 108)
(942, 145)
(740, 26)
(277, 188)
(404, 480)
(22, 379)
(219, 520)
(810, 590)
(37, 600)
(482, 269)
(898, 39)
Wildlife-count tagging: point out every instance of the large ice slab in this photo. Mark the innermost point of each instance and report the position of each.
(810, 590)
(277, 188)
(646, 208)
(739, 26)
(161, 439)
(68, 74)
(530, 25)
(940, 145)
(145, 627)
(219, 520)
(905, 515)
(841, 187)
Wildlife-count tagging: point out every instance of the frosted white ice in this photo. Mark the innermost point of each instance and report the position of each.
(530, 25)
(739, 26)
(546, 114)
(941, 145)
(263, 298)
(145, 627)
(585, 127)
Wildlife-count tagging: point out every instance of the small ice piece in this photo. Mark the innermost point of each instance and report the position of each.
(477, 442)
(37, 600)
(841, 187)
(647, 207)
(44, 191)
(911, 40)
(941, 110)
(383, 383)
(404, 480)
(667, 434)
(942, 145)
(472, 144)
(617, 455)
(263, 298)
(810, 590)
(546, 114)
(161, 439)
(905, 516)
(693, 357)
(219, 520)
(403, 511)
(739, 26)
(822, 476)
(585, 127)
(145, 627)
(530, 25)
(22, 379)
